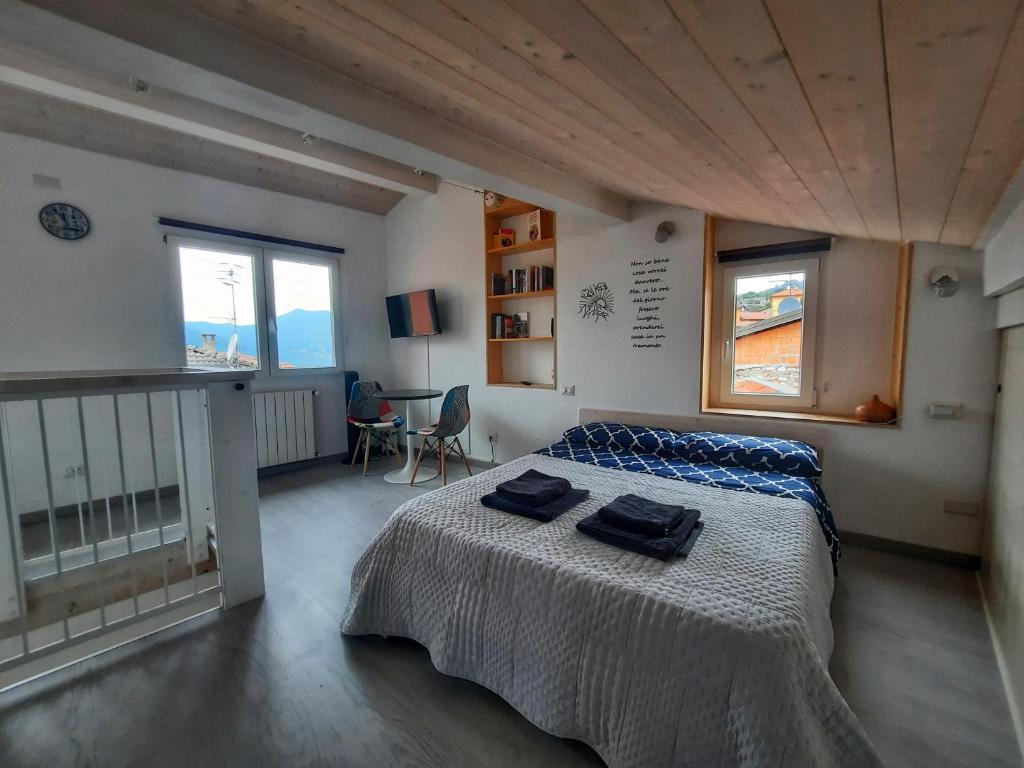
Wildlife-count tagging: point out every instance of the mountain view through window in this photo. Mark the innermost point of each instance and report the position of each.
(219, 289)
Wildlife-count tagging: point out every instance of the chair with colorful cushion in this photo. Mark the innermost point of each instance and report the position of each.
(376, 423)
(442, 438)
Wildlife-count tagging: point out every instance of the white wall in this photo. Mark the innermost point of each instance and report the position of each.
(438, 243)
(109, 301)
(1003, 571)
(884, 482)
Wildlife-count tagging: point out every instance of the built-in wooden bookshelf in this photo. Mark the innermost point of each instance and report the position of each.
(529, 361)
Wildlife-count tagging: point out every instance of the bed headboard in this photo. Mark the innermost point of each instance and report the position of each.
(814, 434)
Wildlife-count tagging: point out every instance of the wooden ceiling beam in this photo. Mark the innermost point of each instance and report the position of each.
(32, 114)
(837, 52)
(28, 68)
(942, 57)
(215, 47)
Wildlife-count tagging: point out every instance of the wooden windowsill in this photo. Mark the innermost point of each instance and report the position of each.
(822, 418)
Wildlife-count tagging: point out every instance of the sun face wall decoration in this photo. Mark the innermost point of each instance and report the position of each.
(596, 302)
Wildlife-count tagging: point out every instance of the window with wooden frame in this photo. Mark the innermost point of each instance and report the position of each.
(769, 320)
(799, 325)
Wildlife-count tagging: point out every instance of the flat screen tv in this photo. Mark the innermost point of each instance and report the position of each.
(413, 314)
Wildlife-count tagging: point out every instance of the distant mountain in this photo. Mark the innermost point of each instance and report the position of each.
(305, 338)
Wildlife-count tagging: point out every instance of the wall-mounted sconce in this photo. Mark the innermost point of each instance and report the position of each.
(665, 231)
(945, 281)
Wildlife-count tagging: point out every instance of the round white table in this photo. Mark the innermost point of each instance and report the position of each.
(404, 475)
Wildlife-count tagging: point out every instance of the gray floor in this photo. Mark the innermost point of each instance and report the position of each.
(273, 684)
(73, 530)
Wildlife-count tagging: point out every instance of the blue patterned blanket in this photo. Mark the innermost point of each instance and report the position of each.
(706, 473)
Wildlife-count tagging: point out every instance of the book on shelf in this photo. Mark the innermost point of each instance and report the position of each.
(527, 280)
(521, 325)
(534, 227)
(515, 326)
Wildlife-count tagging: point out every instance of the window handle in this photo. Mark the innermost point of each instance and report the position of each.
(725, 349)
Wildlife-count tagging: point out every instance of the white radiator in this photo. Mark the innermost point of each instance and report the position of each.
(285, 426)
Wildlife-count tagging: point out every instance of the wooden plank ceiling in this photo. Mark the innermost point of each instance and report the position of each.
(894, 120)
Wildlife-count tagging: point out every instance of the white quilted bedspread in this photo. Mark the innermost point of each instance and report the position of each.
(720, 659)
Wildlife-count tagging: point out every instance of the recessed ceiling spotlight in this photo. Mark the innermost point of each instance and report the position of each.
(309, 138)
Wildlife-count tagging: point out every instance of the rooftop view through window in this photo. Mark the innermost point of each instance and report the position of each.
(768, 334)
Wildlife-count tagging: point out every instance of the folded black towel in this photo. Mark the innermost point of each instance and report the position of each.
(533, 488)
(543, 512)
(677, 543)
(639, 515)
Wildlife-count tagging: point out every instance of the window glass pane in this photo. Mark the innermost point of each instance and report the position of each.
(220, 309)
(304, 314)
(768, 334)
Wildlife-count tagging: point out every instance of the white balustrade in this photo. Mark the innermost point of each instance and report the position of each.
(123, 496)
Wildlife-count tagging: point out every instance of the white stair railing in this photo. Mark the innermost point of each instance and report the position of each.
(108, 500)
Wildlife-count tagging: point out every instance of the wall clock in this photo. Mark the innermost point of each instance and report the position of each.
(64, 221)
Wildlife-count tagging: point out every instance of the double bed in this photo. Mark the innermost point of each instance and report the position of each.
(720, 658)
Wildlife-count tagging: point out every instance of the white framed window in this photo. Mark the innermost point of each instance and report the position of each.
(302, 321)
(269, 310)
(769, 319)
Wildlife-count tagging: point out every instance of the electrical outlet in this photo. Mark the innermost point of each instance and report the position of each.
(74, 469)
(569, 390)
